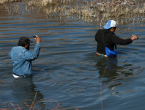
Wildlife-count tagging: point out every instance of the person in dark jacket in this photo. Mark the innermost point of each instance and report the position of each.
(110, 39)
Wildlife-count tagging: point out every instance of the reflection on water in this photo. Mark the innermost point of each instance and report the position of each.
(107, 67)
(24, 88)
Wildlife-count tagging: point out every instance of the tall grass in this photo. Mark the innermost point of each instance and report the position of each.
(123, 11)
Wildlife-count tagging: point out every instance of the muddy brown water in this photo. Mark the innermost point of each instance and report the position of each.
(68, 71)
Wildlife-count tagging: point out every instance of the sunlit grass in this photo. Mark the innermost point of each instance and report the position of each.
(86, 11)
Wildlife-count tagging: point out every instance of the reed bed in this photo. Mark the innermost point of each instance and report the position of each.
(100, 11)
(6, 1)
(124, 11)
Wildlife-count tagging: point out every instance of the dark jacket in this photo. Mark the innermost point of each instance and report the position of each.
(110, 40)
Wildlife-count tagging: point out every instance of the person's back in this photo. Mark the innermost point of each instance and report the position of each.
(22, 58)
(107, 40)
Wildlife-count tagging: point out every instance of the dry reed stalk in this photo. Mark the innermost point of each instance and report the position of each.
(85, 11)
(19, 107)
(32, 106)
(6, 1)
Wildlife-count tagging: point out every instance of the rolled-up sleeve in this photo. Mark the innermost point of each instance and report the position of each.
(34, 54)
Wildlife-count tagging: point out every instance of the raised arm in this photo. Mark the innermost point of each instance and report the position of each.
(35, 53)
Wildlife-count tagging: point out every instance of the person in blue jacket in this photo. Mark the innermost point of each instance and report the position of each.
(22, 58)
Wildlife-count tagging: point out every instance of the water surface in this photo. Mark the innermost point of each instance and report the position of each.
(68, 71)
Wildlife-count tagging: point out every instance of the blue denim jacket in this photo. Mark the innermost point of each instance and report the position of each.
(22, 59)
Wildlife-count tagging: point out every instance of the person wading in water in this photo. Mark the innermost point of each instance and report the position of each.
(107, 40)
(22, 58)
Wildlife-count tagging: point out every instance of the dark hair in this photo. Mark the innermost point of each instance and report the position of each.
(21, 44)
(23, 40)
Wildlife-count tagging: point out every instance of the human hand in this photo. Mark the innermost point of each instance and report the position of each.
(134, 37)
(38, 39)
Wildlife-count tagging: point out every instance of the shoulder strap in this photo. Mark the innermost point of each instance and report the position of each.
(115, 44)
(103, 38)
